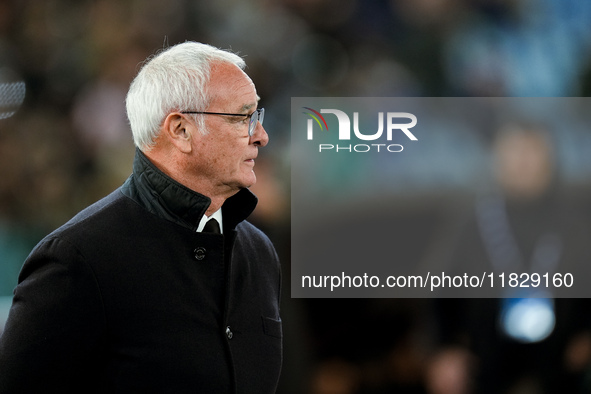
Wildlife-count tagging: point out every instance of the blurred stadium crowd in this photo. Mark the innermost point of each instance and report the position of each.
(69, 144)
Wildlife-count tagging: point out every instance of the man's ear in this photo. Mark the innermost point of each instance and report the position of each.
(179, 131)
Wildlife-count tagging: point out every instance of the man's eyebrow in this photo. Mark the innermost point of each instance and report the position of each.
(247, 107)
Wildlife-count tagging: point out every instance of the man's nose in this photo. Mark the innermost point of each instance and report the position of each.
(260, 136)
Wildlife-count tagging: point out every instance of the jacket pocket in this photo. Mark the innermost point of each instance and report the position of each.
(272, 327)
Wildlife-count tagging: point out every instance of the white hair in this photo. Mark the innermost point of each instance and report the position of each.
(173, 80)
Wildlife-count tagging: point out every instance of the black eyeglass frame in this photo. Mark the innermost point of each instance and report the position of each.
(253, 120)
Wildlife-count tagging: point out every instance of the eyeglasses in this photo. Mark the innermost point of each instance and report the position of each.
(256, 116)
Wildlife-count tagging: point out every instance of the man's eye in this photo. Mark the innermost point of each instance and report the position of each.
(238, 119)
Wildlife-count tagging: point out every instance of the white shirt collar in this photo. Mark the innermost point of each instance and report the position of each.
(217, 215)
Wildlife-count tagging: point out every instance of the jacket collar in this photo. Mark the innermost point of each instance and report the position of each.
(167, 198)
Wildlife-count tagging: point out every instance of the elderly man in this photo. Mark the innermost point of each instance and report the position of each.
(162, 286)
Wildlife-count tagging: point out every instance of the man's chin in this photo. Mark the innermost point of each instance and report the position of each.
(246, 183)
(250, 180)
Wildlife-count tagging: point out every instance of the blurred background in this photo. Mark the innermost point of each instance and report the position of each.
(65, 67)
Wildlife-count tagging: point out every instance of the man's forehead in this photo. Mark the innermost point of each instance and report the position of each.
(230, 84)
(227, 73)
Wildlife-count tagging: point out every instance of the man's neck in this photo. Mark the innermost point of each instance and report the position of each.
(169, 165)
(216, 204)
